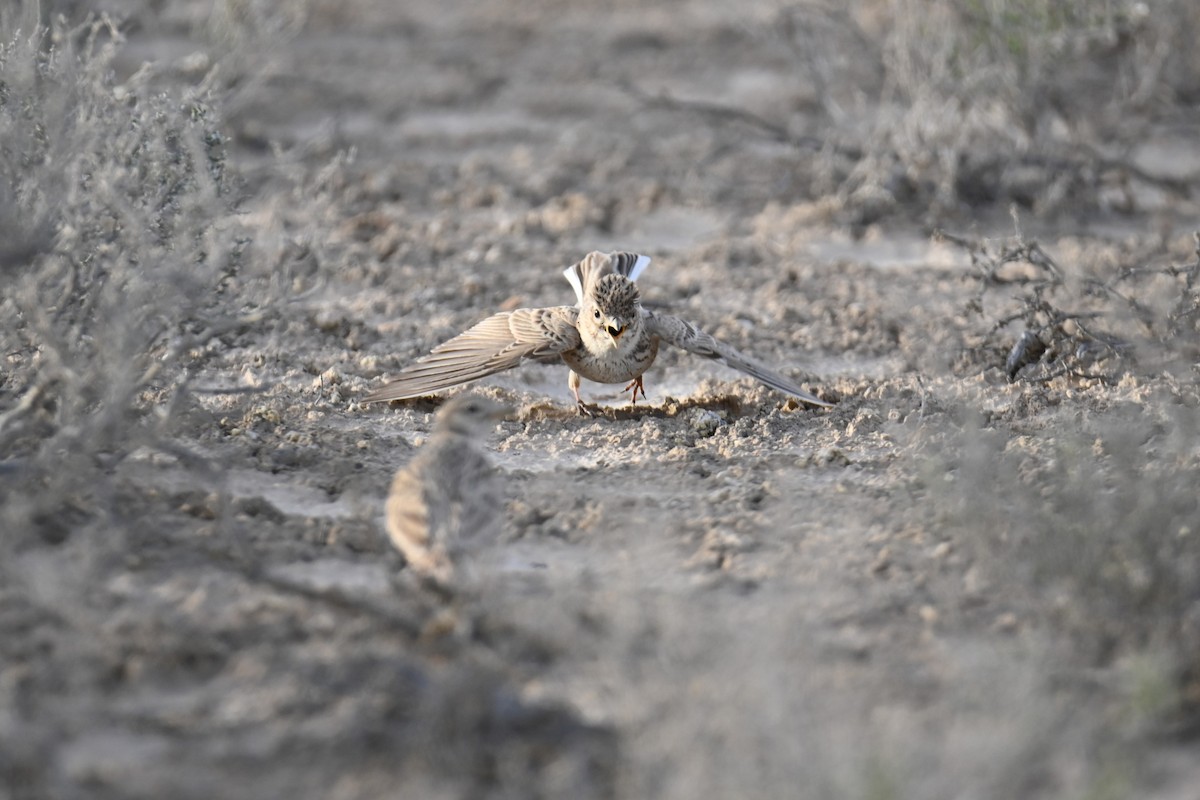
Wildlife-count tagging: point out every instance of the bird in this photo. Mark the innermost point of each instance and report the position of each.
(446, 502)
(608, 336)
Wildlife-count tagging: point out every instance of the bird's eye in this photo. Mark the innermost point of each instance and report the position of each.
(596, 313)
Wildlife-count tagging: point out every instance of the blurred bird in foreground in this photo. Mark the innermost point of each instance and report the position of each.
(607, 337)
(448, 498)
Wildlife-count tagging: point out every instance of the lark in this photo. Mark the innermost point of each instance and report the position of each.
(447, 502)
(608, 336)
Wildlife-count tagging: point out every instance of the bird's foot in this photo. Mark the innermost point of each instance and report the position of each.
(581, 408)
(636, 385)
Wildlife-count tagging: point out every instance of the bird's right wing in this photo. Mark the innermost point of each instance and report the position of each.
(497, 343)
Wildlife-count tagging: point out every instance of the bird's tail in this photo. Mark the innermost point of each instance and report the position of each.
(596, 265)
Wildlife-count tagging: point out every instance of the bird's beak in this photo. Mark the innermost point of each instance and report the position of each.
(503, 413)
(615, 332)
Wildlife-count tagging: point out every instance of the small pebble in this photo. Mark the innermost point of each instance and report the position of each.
(705, 422)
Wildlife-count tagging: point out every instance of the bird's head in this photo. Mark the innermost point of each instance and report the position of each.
(611, 309)
(470, 414)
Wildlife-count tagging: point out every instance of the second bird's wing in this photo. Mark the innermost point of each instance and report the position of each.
(497, 343)
(411, 520)
(686, 336)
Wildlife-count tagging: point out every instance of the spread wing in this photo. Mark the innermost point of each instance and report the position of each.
(498, 343)
(596, 264)
(687, 336)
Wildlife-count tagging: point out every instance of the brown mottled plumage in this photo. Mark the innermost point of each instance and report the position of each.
(608, 337)
(447, 499)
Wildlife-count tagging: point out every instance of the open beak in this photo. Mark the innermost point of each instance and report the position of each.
(615, 332)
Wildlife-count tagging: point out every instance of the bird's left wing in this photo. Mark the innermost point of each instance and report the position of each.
(686, 336)
(497, 343)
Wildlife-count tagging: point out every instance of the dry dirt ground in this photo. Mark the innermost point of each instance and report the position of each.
(715, 593)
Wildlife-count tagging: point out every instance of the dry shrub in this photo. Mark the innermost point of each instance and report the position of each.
(1090, 318)
(1093, 535)
(1090, 521)
(948, 105)
(117, 239)
(1025, 101)
(931, 109)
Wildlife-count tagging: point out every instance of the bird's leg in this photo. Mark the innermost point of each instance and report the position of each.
(636, 385)
(581, 408)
